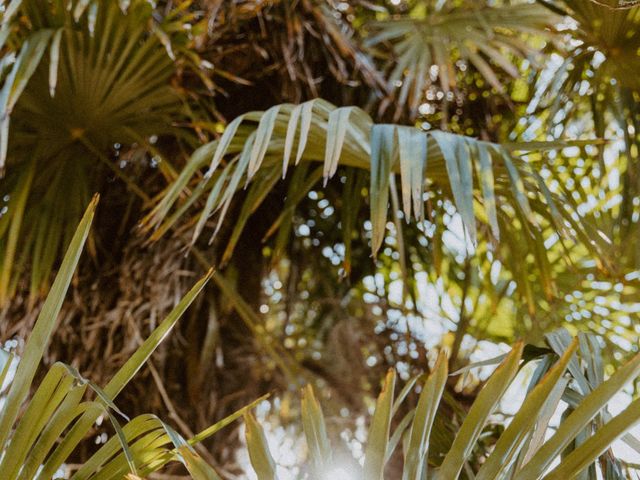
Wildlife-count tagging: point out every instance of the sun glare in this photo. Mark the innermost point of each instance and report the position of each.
(339, 473)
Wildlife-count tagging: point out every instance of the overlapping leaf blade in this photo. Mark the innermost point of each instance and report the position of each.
(514, 437)
(376, 450)
(259, 453)
(475, 420)
(315, 430)
(418, 447)
(43, 327)
(579, 419)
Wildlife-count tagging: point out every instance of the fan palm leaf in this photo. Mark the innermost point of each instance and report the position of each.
(431, 44)
(492, 188)
(81, 78)
(614, 32)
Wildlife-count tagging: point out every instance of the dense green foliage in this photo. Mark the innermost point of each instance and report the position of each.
(385, 187)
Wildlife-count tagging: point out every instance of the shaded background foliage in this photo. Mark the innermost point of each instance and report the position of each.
(339, 325)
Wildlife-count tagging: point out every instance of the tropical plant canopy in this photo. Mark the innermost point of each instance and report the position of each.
(319, 239)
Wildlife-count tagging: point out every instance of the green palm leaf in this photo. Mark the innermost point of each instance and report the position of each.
(87, 76)
(528, 429)
(57, 417)
(428, 41)
(484, 181)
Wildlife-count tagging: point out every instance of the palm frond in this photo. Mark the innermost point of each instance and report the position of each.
(527, 447)
(614, 32)
(57, 416)
(491, 187)
(82, 79)
(596, 80)
(433, 46)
